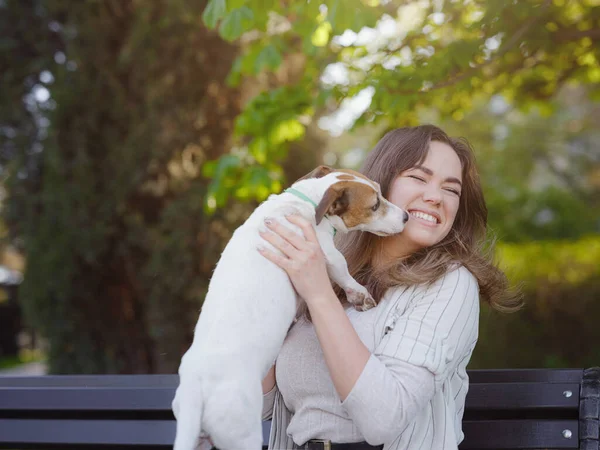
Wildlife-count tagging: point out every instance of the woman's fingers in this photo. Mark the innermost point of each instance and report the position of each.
(293, 238)
(297, 248)
(279, 243)
(306, 227)
(301, 258)
(275, 258)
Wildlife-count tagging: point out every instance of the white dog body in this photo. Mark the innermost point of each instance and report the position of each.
(250, 306)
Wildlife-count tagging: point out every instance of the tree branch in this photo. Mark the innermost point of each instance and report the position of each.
(568, 35)
(514, 39)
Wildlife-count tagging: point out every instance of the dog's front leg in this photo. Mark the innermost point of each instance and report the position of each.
(338, 272)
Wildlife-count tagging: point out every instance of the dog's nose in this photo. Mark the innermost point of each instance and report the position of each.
(405, 217)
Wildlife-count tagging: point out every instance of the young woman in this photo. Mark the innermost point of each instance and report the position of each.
(393, 377)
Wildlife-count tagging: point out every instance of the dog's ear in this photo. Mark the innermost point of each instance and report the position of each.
(319, 172)
(334, 202)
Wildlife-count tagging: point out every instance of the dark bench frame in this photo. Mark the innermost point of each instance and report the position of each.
(505, 409)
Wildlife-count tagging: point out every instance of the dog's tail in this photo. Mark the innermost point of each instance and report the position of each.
(187, 408)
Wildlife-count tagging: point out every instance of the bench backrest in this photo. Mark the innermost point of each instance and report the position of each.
(505, 409)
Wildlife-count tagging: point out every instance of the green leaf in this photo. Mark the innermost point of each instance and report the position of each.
(235, 4)
(266, 5)
(218, 169)
(235, 74)
(236, 23)
(261, 9)
(341, 15)
(214, 11)
(268, 57)
(321, 36)
(259, 148)
(287, 130)
(226, 163)
(209, 169)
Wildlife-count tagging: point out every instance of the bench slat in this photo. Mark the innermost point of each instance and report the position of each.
(508, 434)
(86, 399)
(497, 396)
(76, 432)
(89, 381)
(171, 380)
(485, 396)
(94, 432)
(519, 434)
(525, 375)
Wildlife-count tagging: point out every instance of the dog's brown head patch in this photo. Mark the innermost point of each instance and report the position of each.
(354, 174)
(355, 202)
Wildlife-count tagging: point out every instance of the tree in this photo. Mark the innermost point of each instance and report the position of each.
(112, 109)
(539, 171)
(561, 283)
(126, 127)
(453, 58)
(440, 55)
(106, 194)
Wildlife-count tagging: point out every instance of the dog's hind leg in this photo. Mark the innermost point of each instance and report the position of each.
(205, 444)
(233, 415)
(187, 408)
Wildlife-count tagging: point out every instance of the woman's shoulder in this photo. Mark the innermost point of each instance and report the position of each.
(457, 276)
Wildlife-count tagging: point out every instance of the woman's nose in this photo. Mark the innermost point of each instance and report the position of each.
(433, 195)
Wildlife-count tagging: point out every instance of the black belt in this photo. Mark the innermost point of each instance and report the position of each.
(322, 444)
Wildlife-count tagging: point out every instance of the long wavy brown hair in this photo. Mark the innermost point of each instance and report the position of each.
(467, 242)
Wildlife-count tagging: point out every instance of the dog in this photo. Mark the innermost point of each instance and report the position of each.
(251, 304)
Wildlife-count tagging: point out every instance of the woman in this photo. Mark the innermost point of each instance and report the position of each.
(393, 377)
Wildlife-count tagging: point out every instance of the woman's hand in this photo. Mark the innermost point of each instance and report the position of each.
(345, 354)
(302, 257)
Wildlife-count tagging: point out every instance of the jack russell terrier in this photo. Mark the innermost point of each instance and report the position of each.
(251, 304)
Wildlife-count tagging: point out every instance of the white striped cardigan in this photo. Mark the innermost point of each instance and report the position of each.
(434, 327)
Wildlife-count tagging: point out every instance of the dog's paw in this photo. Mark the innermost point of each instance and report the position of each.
(205, 443)
(368, 303)
(361, 299)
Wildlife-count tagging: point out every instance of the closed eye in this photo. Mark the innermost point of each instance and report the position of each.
(454, 191)
(417, 178)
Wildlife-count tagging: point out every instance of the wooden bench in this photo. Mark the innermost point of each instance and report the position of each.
(505, 409)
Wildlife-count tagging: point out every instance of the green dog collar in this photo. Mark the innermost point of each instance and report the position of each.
(301, 195)
(304, 197)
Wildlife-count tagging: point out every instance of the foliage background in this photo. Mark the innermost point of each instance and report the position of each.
(135, 136)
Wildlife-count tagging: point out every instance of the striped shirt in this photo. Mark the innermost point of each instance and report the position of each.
(411, 393)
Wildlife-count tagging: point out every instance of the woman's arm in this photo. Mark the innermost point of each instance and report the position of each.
(425, 346)
(269, 387)
(345, 354)
(303, 260)
(268, 383)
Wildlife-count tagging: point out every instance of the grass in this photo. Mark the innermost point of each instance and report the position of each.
(25, 356)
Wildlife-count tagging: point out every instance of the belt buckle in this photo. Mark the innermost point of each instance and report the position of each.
(326, 444)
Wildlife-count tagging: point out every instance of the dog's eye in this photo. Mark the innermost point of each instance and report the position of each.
(376, 207)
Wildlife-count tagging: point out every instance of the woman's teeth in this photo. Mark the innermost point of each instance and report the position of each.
(424, 216)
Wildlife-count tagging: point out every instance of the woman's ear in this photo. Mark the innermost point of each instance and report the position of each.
(334, 202)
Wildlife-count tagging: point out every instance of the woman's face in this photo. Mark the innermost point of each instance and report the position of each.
(431, 194)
